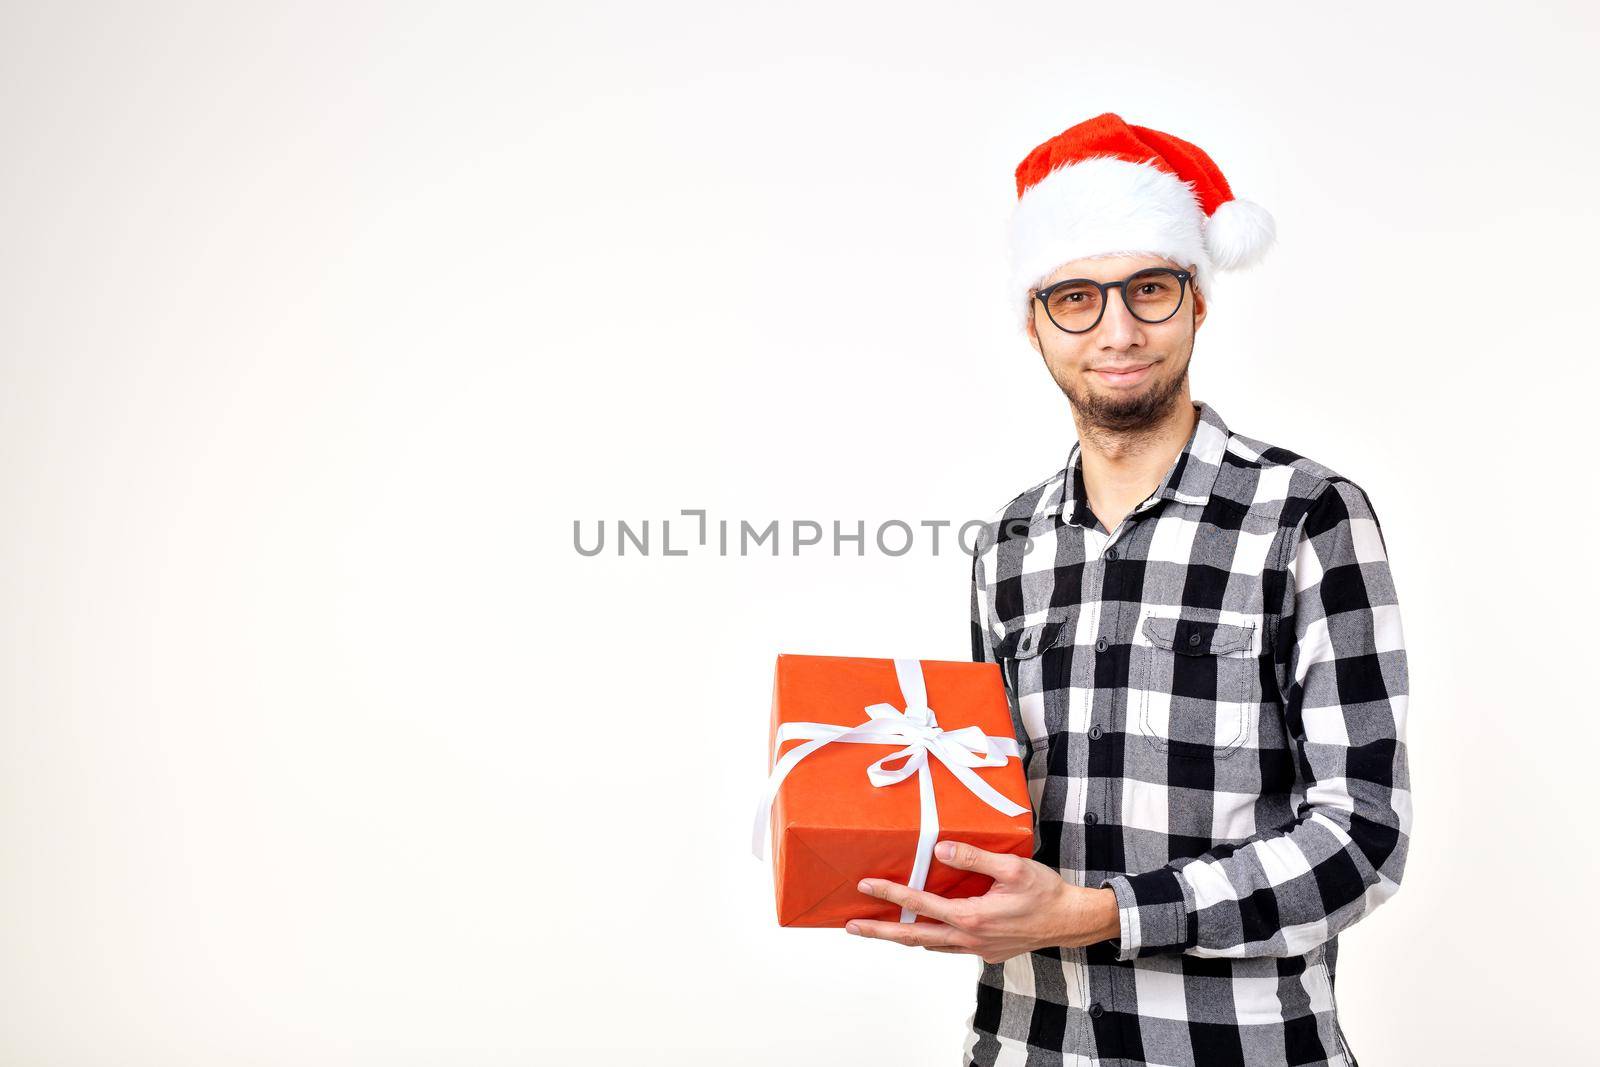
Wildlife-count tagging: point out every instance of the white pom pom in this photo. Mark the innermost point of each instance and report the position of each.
(1239, 234)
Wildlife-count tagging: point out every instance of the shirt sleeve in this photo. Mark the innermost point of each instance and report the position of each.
(1344, 688)
(982, 632)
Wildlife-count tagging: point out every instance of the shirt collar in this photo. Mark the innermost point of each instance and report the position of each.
(1188, 481)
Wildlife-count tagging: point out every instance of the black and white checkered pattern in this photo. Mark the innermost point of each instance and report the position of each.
(1212, 703)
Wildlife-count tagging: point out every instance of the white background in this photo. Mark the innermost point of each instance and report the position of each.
(324, 322)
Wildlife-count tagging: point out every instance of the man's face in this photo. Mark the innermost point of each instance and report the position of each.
(1085, 365)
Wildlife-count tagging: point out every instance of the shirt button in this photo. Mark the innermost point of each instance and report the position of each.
(1096, 1010)
(1090, 818)
(1111, 553)
(1094, 732)
(1100, 645)
(1194, 639)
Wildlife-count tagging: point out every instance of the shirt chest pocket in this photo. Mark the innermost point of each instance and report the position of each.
(1195, 684)
(1032, 660)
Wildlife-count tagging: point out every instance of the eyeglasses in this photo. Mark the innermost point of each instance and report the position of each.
(1151, 295)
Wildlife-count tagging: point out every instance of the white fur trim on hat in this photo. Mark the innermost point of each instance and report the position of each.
(1239, 234)
(1103, 206)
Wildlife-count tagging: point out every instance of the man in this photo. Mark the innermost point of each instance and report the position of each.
(1201, 641)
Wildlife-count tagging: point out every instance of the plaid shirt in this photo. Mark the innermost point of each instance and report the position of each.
(1211, 701)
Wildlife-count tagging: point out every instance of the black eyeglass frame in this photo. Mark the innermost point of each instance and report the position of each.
(1043, 296)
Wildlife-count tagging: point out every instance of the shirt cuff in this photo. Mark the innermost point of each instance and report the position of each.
(1154, 912)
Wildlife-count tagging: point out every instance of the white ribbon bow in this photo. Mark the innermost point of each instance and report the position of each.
(917, 728)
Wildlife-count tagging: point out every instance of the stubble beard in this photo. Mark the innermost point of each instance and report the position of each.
(1127, 414)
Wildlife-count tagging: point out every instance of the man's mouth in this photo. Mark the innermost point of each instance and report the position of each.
(1126, 374)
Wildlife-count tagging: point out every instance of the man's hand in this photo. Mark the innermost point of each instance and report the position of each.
(1029, 907)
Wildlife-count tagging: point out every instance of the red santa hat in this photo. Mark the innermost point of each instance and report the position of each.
(1104, 187)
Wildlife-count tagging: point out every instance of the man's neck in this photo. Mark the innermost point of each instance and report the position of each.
(1122, 467)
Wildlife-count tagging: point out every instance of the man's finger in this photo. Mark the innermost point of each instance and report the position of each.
(920, 901)
(959, 854)
(924, 935)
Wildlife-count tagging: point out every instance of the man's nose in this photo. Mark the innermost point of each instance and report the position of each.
(1118, 327)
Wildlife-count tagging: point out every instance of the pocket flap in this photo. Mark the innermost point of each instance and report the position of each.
(1029, 641)
(1196, 637)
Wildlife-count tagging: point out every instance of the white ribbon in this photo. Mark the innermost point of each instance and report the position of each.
(917, 728)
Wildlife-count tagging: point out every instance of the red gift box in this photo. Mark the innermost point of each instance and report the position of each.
(872, 761)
